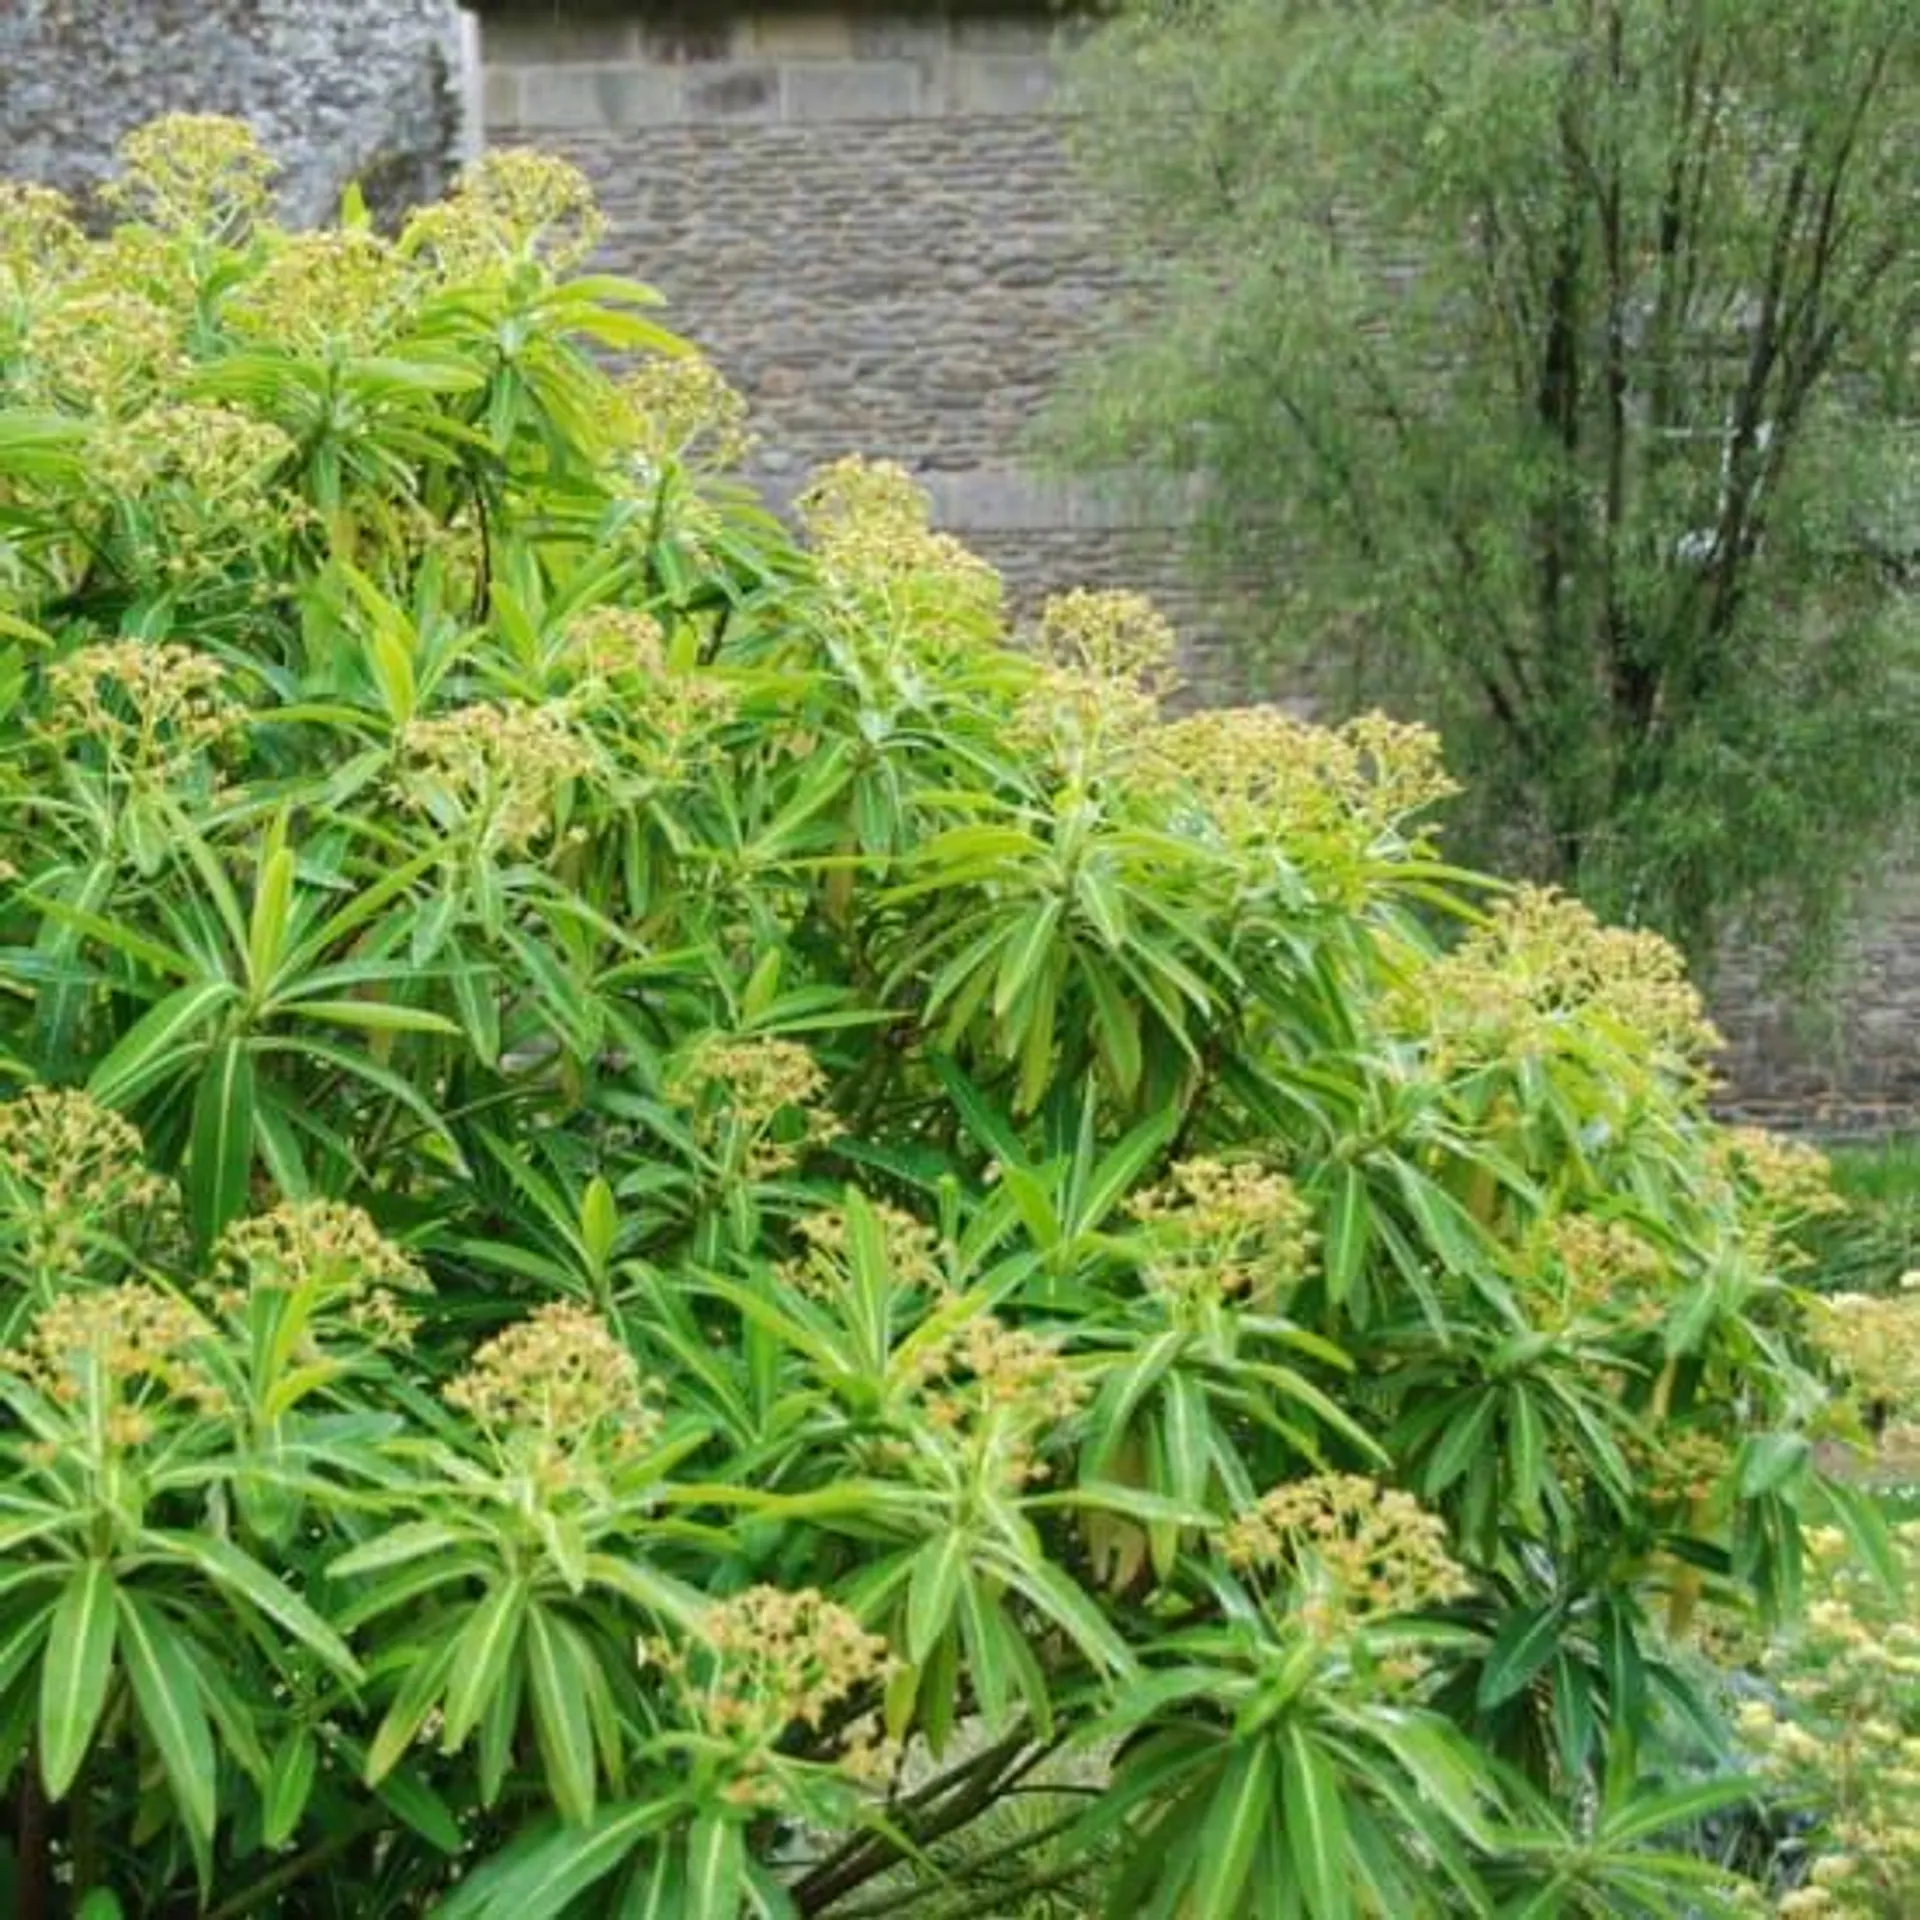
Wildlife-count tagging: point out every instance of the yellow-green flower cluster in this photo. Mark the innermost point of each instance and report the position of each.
(1676, 1467)
(1544, 976)
(496, 770)
(1358, 1550)
(39, 237)
(1873, 1341)
(326, 1250)
(218, 454)
(339, 287)
(1115, 636)
(154, 709)
(1791, 1179)
(999, 1392)
(1329, 796)
(71, 1172)
(107, 348)
(102, 1350)
(872, 528)
(912, 1250)
(1845, 1731)
(608, 643)
(1223, 1229)
(557, 1387)
(1590, 1267)
(681, 408)
(199, 174)
(768, 1660)
(1106, 660)
(740, 1087)
(511, 205)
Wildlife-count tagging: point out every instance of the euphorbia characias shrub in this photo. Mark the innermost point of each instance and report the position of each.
(675, 1209)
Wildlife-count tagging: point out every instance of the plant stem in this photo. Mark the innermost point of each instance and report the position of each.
(291, 1872)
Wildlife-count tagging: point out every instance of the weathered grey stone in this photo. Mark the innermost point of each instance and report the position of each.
(850, 90)
(561, 99)
(1014, 33)
(500, 99)
(902, 37)
(996, 83)
(725, 92)
(369, 91)
(639, 96)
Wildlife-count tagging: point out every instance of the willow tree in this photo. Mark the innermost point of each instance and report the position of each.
(1549, 365)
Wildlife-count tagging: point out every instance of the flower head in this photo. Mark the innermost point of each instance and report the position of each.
(71, 1172)
(498, 770)
(745, 1085)
(194, 173)
(340, 287)
(873, 530)
(332, 1254)
(681, 408)
(558, 1386)
(115, 1347)
(1265, 777)
(1225, 1230)
(154, 710)
(511, 205)
(1359, 1551)
(1545, 976)
(998, 1393)
(1121, 636)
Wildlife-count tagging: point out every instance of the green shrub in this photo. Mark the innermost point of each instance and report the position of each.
(671, 1218)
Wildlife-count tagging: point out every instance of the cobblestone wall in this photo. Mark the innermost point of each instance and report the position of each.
(866, 216)
(337, 89)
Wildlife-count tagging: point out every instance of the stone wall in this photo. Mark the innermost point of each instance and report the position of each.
(866, 215)
(337, 89)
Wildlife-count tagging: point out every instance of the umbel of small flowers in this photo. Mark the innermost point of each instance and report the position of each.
(152, 711)
(738, 1089)
(1873, 1344)
(1544, 974)
(117, 1359)
(73, 1176)
(683, 409)
(511, 207)
(1843, 1732)
(1266, 778)
(558, 1396)
(348, 1275)
(872, 529)
(913, 1251)
(1346, 1552)
(994, 1395)
(494, 773)
(1577, 1266)
(767, 1662)
(1220, 1230)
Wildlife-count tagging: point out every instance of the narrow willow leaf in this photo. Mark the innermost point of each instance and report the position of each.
(221, 1161)
(933, 1589)
(560, 1714)
(75, 1673)
(1316, 1827)
(168, 1696)
(1241, 1807)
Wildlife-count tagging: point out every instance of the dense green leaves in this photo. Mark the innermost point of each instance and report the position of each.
(680, 1235)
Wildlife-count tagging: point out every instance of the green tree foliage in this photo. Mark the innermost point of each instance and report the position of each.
(1551, 368)
(669, 1221)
